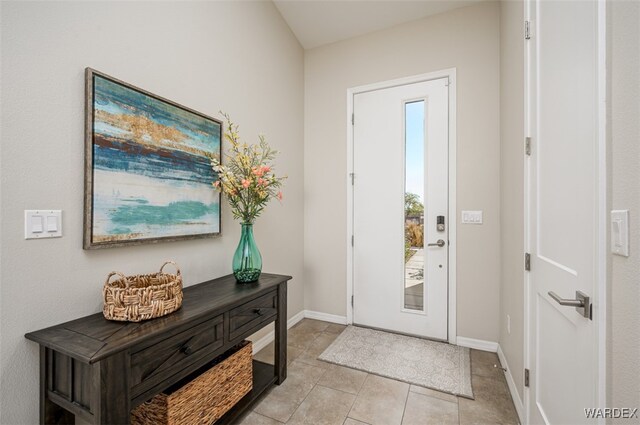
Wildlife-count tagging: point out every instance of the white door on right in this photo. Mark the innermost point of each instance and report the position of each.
(562, 204)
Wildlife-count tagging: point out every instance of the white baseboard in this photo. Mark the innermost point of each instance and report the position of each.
(517, 401)
(326, 317)
(266, 340)
(477, 344)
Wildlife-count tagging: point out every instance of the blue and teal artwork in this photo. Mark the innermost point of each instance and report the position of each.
(150, 173)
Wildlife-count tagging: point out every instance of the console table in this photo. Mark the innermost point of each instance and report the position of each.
(99, 370)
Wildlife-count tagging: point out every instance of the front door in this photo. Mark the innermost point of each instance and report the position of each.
(563, 222)
(400, 208)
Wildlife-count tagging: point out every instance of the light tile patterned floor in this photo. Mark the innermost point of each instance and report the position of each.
(318, 393)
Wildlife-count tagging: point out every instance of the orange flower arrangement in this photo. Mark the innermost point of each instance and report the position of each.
(247, 180)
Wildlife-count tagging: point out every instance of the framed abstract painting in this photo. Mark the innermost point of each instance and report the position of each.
(147, 167)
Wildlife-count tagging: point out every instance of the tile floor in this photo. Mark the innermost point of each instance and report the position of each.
(319, 393)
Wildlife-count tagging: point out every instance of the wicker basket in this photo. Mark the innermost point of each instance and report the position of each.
(142, 297)
(204, 399)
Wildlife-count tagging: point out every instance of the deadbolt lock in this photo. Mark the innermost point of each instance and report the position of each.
(440, 223)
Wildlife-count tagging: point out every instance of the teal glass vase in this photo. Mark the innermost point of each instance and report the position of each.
(247, 261)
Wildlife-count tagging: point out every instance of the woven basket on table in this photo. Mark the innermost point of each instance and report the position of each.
(204, 399)
(142, 297)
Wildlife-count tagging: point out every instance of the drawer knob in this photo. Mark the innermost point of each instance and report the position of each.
(258, 311)
(186, 350)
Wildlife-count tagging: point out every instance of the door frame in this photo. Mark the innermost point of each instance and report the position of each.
(599, 298)
(449, 73)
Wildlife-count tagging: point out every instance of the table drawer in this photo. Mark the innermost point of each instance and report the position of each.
(161, 361)
(252, 314)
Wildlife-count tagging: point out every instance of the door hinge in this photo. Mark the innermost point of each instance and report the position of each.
(527, 146)
(351, 300)
(527, 30)
(352, 240)
(527, 261)
(353, 119)
(353, 178)
(526, 378)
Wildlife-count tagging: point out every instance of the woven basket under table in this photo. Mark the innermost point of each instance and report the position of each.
(205, 398)
(142, 297)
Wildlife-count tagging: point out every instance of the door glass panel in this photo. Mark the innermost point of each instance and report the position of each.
(414, 206)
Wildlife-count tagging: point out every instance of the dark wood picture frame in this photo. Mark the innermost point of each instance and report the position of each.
(149, 144)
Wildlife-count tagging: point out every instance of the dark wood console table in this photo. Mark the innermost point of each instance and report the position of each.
(99, 370)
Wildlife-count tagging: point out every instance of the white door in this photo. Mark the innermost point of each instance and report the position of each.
(400, 145)
(563, 198)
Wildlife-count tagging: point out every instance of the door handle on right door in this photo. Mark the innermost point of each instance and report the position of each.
(439, 243)
(582, 302)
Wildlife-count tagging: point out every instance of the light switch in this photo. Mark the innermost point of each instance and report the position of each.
(42, 224)
(620, 232)
(36, 224)
(52, 223)
(471, 217)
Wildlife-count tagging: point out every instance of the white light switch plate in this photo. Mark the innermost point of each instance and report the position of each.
(42, 224)
(471, 217)
(620, 232)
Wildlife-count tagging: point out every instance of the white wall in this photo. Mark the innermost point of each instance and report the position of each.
(236, 56)
(624, 319)
(467, 39)
(512, 187)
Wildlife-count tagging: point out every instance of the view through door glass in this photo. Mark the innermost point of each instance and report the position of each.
(414, 206)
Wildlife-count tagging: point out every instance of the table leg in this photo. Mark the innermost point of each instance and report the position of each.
(281, 335)
(111, 389)
(50, 413)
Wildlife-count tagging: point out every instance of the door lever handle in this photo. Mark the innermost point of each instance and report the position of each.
(439, 243)
(566, 301)
(582, 302)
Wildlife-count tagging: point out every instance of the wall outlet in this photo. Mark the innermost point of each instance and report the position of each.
(508, 324)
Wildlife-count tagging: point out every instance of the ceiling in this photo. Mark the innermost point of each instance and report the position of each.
(315, 22)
